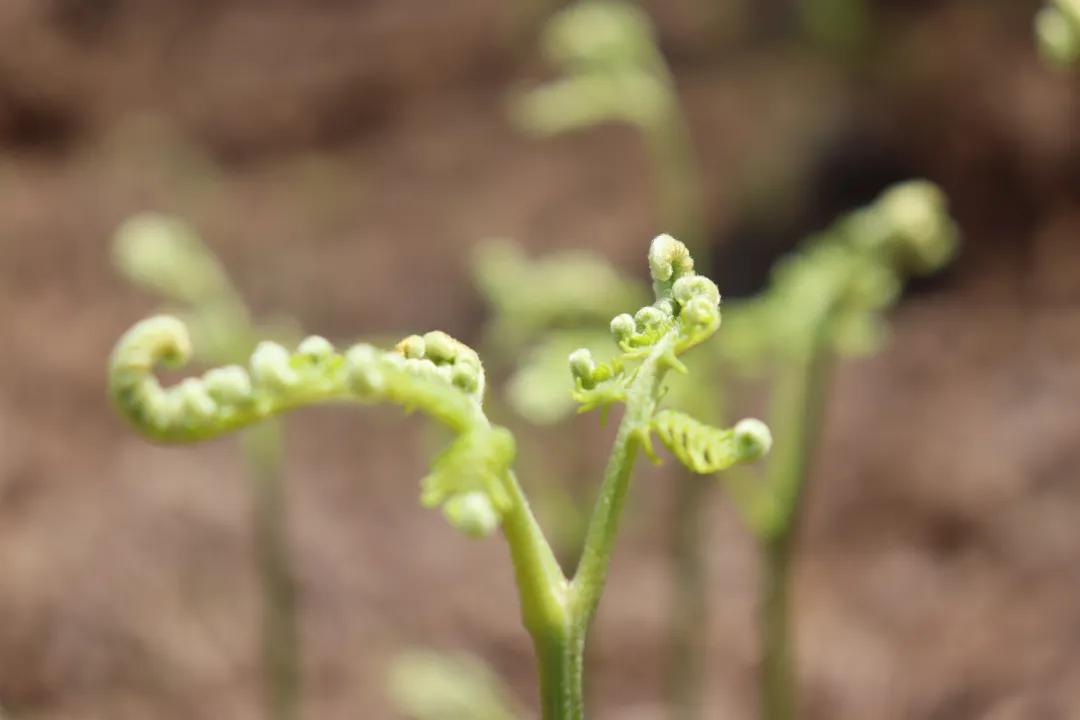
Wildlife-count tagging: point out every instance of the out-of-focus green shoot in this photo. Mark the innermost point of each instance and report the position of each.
(166, 256)
(545, 308)
(841, 27)
(472, 480)
(613, 71)
(824, 301)
(429, 685)
(1057, 28)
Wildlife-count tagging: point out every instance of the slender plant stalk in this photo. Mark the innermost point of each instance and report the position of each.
(798, 408)
(690, 602)
(778, 676)
(280, 635)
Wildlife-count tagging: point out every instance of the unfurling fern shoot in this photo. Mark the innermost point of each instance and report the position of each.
(824, 301)
(166, 256)
(471, 480)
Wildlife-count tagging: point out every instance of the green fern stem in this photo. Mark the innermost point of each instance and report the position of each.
(280, 637)
(797, 410)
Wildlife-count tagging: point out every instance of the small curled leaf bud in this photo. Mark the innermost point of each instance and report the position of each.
(916, 213)
(411, 347)
(706, 449)
(362, 363)
(230, 384)
(315, 348)
(162, 339)
(194, 400)
(582, 366)
(649, 317)
(439, 347)
(468, 377)
(669, 259)
(622, 327)
(701, 311)
(753, 437)
(689, 287)
(270, 366)
(472, 513)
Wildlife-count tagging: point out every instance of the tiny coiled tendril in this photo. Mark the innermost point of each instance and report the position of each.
(705, 449)
(686, 311)
(433, 373)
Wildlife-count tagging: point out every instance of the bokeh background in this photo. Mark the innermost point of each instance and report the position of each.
(343, 158)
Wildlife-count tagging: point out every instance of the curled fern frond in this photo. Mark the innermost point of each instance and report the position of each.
(433, 373)
(842, 279)
(1057, 28)
(706, 449)
(687, 310)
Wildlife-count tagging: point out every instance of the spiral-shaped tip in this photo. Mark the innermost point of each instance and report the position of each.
(753, 438)
(669, 259)
(916, 215)
(162, 339)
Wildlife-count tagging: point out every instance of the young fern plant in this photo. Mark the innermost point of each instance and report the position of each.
(165, 256)
(823, 302)
(471, 480)
(1057, 29)
(613, 71)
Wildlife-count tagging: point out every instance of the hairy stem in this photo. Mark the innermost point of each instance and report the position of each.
(280, 638)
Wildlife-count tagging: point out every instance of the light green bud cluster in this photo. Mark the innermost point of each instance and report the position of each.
(687, 305)
(1057, 28)
(434, 373)
(453, 361)
(611, 68)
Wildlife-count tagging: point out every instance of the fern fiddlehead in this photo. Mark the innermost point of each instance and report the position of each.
(433, 373)
(471, 479)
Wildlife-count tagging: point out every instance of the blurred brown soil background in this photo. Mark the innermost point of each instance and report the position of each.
(342, 158)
